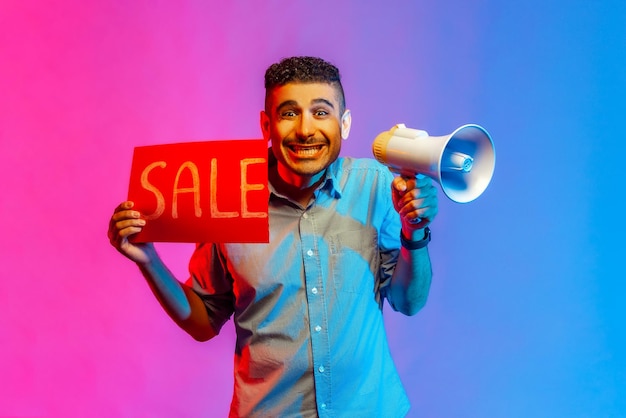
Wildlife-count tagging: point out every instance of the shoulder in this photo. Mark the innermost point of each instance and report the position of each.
(360, 176)
(368, 165)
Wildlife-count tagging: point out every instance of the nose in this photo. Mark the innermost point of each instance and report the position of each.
(306, 126)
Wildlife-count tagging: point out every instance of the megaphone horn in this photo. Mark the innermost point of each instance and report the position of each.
(461, 162)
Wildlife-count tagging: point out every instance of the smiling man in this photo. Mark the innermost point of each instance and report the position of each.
(345, 236)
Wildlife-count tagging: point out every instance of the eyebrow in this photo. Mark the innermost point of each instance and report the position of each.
(290, 103)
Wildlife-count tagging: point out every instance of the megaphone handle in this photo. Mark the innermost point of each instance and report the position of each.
(417, 176)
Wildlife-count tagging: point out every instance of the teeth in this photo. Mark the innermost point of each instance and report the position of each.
(306, 152)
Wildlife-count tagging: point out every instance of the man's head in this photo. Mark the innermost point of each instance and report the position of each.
(304, 117)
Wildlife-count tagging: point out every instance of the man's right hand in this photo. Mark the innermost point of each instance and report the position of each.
(124, 223)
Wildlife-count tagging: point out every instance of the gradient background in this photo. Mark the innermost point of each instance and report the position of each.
(525, 317)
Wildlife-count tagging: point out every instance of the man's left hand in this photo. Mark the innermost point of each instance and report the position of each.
(415, 199)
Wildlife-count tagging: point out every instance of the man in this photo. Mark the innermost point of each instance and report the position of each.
(345, 235)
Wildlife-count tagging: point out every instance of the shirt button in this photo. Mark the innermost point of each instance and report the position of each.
(314, 290)
(318, 328)
(305, 215)
(321, 369)
(323, 406)
(309, 253)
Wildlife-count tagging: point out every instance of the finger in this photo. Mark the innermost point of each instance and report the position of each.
(124, 228)
(417, 182)
(424, 207)
(421, 181)
(415, 199)
(399, 184)
(402, 191)
(122, 240)
(425, 192)
(417, 219)
(121, 212)
(125, 223)
(410, 206)
(413, 215)
(128, 204)
(125, 214)
(125, 233)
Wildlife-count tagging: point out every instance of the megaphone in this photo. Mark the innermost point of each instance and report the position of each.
(462, 162)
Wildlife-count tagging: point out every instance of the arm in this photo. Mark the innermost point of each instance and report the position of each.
(415, 200)
(180, 302)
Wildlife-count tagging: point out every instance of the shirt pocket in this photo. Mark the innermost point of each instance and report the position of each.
(354, 259)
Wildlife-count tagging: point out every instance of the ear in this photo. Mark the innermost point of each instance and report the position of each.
(346, 122)
(265, 125)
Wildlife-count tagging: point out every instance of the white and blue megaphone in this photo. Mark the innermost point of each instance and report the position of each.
(462, 162)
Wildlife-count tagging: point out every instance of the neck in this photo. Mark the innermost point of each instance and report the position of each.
(298, 188)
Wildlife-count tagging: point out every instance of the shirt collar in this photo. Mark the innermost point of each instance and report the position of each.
(331, 181)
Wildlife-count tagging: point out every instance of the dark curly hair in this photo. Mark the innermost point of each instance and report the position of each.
(304, 70)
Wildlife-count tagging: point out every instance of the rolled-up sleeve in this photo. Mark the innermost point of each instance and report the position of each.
(388, 235)
(209, 278)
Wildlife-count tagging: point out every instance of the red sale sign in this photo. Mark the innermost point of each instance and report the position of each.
(213, 191)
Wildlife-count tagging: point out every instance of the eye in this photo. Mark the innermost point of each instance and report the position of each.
(288, 114)
(320, 113)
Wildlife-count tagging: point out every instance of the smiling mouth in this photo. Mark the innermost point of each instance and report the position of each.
(305, 151)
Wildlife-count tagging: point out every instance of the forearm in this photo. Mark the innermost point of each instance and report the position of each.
(415, 200)
(180, 302)
(410, 283)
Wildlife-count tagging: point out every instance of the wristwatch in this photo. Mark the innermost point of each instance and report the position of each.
(416, 245)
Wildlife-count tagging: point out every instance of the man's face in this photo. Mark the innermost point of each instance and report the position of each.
(305, 124)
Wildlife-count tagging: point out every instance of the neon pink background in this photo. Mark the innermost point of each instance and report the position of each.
(526, 314)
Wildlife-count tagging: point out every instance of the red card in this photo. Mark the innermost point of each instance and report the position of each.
(212, 191)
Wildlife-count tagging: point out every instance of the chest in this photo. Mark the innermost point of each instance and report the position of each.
(323, 250)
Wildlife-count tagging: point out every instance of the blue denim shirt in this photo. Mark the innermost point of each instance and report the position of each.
(308, 305)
